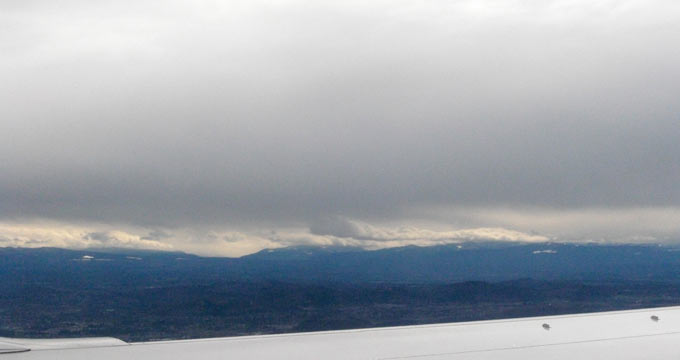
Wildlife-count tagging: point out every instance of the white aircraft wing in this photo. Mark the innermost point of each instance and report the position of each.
(638, 334)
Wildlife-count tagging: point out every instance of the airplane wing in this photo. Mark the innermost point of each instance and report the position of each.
(623, 335)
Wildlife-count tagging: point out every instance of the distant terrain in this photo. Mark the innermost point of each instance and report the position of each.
(143, 295)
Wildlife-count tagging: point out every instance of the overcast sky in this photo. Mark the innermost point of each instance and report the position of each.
(226, 127)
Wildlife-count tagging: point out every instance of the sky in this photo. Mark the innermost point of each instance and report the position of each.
(222, 128)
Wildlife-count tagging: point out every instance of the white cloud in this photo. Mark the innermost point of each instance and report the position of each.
(342, 227)
(630, 225)
(70, 236)
(238, 243)
(426, 228)
(376, 237)
(544, 252)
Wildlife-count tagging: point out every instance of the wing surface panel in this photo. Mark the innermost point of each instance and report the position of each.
(637, 334)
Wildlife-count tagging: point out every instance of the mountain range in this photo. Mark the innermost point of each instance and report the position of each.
(478, 261)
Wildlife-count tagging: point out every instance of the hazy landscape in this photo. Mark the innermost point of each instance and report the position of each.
(145, 295)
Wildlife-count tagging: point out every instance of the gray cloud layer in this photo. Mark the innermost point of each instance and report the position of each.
(194, 114)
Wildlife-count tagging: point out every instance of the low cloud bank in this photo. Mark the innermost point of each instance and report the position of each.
(64, 236)
(346, 228)
(433, 226)
(236, 243)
